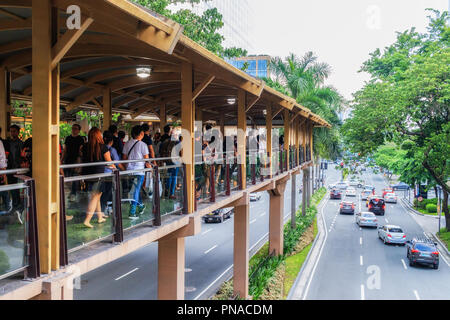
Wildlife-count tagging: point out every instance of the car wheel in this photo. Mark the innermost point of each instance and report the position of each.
(436, 266)
(384, 240)
(411, 263)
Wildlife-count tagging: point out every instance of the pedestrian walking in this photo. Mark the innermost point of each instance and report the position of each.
(95, 151)
(71, 154)
(135, 149)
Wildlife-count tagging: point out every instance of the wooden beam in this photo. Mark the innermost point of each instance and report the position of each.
(201, 87)
(67, 41)
(11, 15)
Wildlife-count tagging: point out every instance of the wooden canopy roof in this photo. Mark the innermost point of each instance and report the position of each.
(115, 38)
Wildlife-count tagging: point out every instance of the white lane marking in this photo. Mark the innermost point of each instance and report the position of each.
(360, 241)
(361, 260)
(206, 232)
(445, 260)
(212, 283)
(263, 214)
(126, 274)
(228, 269)
(362, 293)
(416, 294)
(321, 250)
(387, 221)
(404, 264)
(209, 250)
(253, 221)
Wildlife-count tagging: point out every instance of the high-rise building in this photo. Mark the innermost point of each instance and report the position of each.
(237, 18)
(258, 66)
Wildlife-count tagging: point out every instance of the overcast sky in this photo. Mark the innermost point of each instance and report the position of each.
(341, 33)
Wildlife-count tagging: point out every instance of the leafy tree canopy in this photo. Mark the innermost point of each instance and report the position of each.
(203, 29)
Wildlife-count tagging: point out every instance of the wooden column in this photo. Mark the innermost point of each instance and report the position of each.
(297, 139)
(269, 136)
(276, 219)
(241, 247)
(171, 263)
(107, 109)
(45, 134)
(242, 133)
(222, 125)
(305, 191)
(5, 108)
(187, 124)
(162, 117)
(287, 131)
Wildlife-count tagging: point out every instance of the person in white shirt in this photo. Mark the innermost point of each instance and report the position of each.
(135, 149)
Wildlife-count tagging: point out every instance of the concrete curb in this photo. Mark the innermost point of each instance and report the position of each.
(315, 244)
(410, 208)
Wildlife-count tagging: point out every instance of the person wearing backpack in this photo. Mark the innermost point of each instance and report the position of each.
(135, 149)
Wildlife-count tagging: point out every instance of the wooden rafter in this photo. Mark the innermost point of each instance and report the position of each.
(67, 41)
(202, 86)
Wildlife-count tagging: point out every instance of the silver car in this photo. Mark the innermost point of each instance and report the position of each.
(392, 234)
(390, 197)
(366, 219)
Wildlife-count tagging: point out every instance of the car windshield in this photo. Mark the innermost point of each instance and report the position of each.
(390, 195)
(395, 230)
(424, 247)
(368, 215)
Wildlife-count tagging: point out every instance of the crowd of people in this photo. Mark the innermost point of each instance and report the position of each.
(111, 146)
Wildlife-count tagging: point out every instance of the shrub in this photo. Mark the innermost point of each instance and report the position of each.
(4, 262)
(431, 208)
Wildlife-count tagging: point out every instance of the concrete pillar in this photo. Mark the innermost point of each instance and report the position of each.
(171, 263)
(241, 247)
(276, 219)
(59, 287)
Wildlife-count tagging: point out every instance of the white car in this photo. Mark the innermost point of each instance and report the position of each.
(255, 196)
(366, 219)
(343, 185)
(390, 197)
(350, 192)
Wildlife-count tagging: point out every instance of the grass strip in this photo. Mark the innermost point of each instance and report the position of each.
(444, 236)
(295, 262)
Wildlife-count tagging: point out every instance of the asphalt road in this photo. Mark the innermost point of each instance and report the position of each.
(355, 265)
(209, 260)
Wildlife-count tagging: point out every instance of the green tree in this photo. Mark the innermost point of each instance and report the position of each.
(303, 79)
(407, 101)
(203, 29)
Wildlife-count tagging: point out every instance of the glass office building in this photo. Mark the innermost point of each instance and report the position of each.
(258, 66)
(237, 18)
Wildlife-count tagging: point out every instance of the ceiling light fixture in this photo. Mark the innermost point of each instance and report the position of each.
(231, 100)
(143, 72)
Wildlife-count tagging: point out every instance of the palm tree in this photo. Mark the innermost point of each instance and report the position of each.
(303, 78)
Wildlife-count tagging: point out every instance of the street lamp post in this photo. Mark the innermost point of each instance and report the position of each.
(439, 189)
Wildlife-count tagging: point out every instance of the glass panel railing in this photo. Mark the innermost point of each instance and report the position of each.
(136, 197)
(88, 208)
(171, 189)
(13, 228)
(234, 173)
